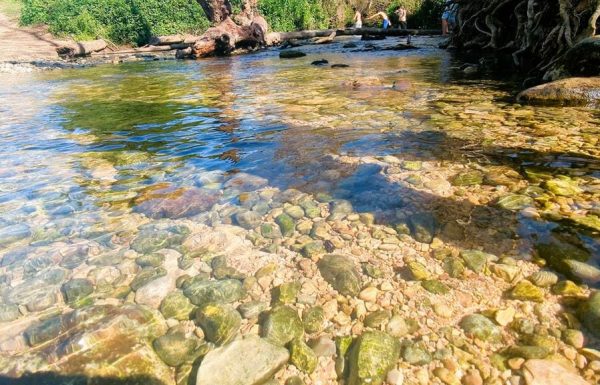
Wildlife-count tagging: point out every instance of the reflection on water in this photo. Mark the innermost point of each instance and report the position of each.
(395, 135)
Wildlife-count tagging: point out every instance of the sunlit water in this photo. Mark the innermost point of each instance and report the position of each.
(80, 149)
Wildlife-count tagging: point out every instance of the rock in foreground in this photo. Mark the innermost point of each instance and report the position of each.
(570, 91)
(373, 355)
(546, 372)
(250, 361)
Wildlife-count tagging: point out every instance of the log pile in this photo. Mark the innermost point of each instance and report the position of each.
(536, 33)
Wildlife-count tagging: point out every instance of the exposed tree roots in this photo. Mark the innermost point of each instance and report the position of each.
(537, 33)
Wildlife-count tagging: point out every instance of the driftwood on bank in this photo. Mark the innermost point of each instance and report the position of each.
(275, 38)
(78, 49)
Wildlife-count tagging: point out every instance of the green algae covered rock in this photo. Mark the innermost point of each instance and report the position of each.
(423, 227)
(372, 355)
(281, 325)
(435, 287)
(590, 313)
(177, 306)
(287, 292)
(150, 240)
(527, 291)
(418, 271)
(567, 288)
(146, 276)
(313, 248)
(341, 273)
(201, 291)
(527, 351)
(481, 327)
(220, 323)
(342, 348)
(76, 289)
(43, 331)
(515, 202)
(313, 319)
(415, 354)
(477, 260)
(469, 178)
(286, 224)
(563, 186)
(175, 348)
(302, 356)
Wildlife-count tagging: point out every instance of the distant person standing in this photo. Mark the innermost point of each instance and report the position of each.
(384, 16)
(357, 18)
(402, 14)
(449, 16)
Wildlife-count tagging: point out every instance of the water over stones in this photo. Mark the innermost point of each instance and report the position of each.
(76, 290)
(175, 348)
(341, 273)
(201, 291)
(8, 312)
(477, 260)
(248, 219)
(13, 233)
(153, 292)
(176, 305)
(177, 203)
(151, 239)
(423, 226)
(371, 357)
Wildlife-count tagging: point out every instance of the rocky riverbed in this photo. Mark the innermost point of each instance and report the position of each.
(367, 227)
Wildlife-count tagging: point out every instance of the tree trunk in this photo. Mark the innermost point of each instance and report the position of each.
(244, 31)
(83, 48)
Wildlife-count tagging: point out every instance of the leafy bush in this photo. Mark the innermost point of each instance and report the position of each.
(120, 21)
(290, 15)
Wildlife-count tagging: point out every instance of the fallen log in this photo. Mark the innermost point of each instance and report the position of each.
(166, 40)
(83, 48)
(229, 36)
(275, 38)
(149, 49)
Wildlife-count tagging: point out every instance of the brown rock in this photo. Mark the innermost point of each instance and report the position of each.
(570, 91)
(546, 372)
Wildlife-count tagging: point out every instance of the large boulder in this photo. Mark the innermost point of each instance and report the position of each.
(570, 91)
(249, 361)
(583, 59)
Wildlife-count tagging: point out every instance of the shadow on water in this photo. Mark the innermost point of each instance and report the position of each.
(51, 378)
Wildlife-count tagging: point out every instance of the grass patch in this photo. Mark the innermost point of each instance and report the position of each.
(11, 8)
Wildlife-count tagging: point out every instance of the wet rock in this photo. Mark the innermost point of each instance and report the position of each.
(150, 260)
(281, 325)
(302, 356)
(454, 267)
(175, 348)
(435, 287)
(340, 272)
(418, 271)
(527, 351)
(43, 331)
(397, 326)
(469, 178)
(527, 291)
(543, 278)
(341, 207)
(286, 292)
(313, 319)
(248, 219)
(570, 91)
(77, 289)
(252, 309)
(583, 59)
(372, 356)
(477, 260)
(270, 231)
(415, 355)
(295, 212)
(547, 372)
(150, 240)
(291, 54)
(220, 323)
(249, 361)
(481, 327)
(412, 165)
(567, 288)
(582, 272)
(377, 319)
(590, 221)
(146, 276)
(515, 202)
(563, 186)
(13, 233)
(178, 203)
(153, 293)
(286, 224)
(423, 227)
(312, 249)
(574, 338)
(8, 312)
(202, 292)
(590, 313)
(176, 305)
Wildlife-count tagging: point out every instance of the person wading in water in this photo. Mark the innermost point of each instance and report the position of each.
(449, 16)
(357, 18)
(384, 16)
(402, 14)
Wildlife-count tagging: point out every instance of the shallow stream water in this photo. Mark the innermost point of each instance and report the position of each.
(88, 155)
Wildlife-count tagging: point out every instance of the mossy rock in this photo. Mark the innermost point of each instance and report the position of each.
(418, 271)
(481, 327)
(435, 287)
(146, 276)
(477, 260)
(286, 292)
(314, 319)
(527, 291)
(175, 348)
(373, 355)
(302, 356)
(340, 272)
(286, 224)
(563, 186)
(515, 202)
(589, 313)
(423, 227)
(220, 323)
(527, 352)
(469, 178)
(281, 325)
(202, 291)
(76, 290)
(177, 306)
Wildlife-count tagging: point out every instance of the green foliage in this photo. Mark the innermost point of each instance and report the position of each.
(421, 13)
(120, 21)
(290, 15)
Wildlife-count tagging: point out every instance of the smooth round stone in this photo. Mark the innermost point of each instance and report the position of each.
(248, 219)
(150, 260)
(77, 289)
(544, 278)
(176, 305)
(313, 319)
(42, 301)
(281, 325)
(574, 337)
(296, 212)
(372, 356)
(323, 347)
(394, 377)
(527, 291)
(220, 323)
(302, 356)
(174, 348)
(480, 327)
(416, 355)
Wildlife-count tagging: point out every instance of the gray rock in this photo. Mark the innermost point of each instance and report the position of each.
(415, 355)
(477, 260)
(372, 356)
(248, 219)
(291, 54)
(43, 331)
(150, 239)
(175, 348)
(249, 361)
(77, 289)
(252, 309)
(341, 273)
